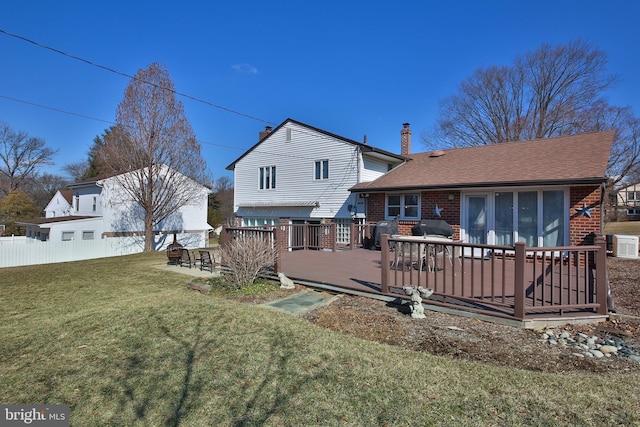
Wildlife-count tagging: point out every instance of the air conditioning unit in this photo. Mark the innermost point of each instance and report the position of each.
(625, 246)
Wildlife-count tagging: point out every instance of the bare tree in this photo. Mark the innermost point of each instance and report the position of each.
(21, 157)
(76, 171)
(153, 150)
(552, 91)
(42, 189)
(221, 201)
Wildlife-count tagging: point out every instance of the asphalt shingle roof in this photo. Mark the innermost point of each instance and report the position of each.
(572, 159)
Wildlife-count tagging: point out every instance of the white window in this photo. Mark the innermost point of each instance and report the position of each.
(632, 196)
(343, 229)
(403, 206)
(68, 236)
(267, 177)
(288, 135)
(259, 222)
(87, 235)
(322, 169)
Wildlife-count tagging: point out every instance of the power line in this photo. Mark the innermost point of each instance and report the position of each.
(58, 110)
(120, 73)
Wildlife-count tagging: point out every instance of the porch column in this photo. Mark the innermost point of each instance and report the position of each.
(519, 288)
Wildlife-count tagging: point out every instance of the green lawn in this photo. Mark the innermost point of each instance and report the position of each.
(626, 227)
(124, 343)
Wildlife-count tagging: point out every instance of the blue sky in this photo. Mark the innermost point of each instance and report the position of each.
(353, 68)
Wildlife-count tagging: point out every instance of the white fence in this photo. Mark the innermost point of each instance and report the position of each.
(30, 252)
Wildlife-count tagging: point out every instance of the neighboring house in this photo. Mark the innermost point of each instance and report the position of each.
(299, 174)
(627, 202)
(101, 209)
(60, 204)
(546, 192)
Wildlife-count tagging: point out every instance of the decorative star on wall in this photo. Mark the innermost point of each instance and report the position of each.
(437, 211)
(584, 211)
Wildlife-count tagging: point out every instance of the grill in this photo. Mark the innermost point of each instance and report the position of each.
(432, 227)
(383, 227)
(174, 251)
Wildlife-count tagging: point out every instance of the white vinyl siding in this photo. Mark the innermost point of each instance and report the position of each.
(295, 185)
(294, 150)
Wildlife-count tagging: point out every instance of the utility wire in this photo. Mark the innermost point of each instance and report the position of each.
(120, 73)
(58, 110)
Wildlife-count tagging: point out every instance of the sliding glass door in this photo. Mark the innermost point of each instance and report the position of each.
(504, 218)
(477, 219)
(535, 217)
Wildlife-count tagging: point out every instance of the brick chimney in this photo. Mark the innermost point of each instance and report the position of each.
(265, 132)
(405, 140)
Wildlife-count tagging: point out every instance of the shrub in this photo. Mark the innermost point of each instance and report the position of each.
(247, 257)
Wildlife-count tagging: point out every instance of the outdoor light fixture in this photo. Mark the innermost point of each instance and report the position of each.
(353, 209)
(451, 196)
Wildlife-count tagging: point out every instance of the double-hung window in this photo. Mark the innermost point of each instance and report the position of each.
(322, 169)
(267, 177)
(403, 206)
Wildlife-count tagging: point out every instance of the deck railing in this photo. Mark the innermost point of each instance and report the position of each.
(505, 281)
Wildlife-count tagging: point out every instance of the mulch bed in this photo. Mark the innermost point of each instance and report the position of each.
(475, 340)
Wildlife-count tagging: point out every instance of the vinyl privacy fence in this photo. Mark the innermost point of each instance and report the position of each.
(15, 253)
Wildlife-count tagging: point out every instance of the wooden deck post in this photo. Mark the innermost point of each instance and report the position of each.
(602, 285)
(334, 236)
(224, 241)
(384, 263)
(519, 289)
(352, 235)
(277, 236)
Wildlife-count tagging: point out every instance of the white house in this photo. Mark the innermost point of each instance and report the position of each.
(298, 174)
(60, 204)
(628, 201)
(102, 209)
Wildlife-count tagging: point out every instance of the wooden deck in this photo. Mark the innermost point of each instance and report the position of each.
(481, 286)
(514, 283)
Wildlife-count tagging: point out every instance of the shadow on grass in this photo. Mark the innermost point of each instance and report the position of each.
(267, 400)
(141, 387)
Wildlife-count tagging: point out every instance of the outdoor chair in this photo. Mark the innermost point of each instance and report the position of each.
(437, 251)
(186, 259)
(207, 262)
(410, 255)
